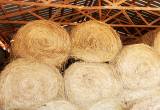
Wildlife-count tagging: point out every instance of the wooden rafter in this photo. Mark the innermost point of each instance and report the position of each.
(78, 7)
(108, 11)
(120, 2)
(100, 11)
(36, 15)
(109, 2)
(144, 20)
(151, 23)
(111, 17)
(130, 20)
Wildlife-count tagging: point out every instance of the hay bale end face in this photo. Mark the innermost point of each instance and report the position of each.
(94, 41)
(43, 40)
(139, 67)
(58, 105)
(25, 83)
(107, 104)
(87, 83)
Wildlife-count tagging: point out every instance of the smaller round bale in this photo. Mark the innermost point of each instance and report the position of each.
(24, 83)
(94, 41)
(43, 40)
(87, 83)
(58, 105)
(107, 104)
(152, 103)
(138, 66)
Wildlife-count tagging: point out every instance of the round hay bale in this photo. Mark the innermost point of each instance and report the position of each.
(87, 83)
(25, 83)
(152, 103)
(43, 40)
(138, 66)
(94, 41)
(58, 105)
(107, 104)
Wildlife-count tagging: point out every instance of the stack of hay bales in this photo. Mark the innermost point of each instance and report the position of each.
(92, 80)
(43, 40)
(32, 78)
(33, 82)
(25, 84)
(139, 68)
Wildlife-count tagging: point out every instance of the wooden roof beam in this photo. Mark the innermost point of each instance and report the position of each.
(143, 19)
(120, 2)
(154, 21)
(100, 11)
(109, 2)
(58, 5)
(36, 15)
(130, 20)
(111, 17)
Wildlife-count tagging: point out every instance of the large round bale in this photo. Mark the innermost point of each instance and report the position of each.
(87, 83)
(94, 41)
(138, 66)
(58, 105)
(152, 103)
(107, 104)
(43, 40)
(25, 83)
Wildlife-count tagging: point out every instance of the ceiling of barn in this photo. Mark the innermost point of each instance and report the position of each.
(128, 17)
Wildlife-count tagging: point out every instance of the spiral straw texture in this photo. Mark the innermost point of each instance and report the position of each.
(94, 41)
(58, 105)
(138, 66)
(87, 83)
(25, 83)
(43, 40)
